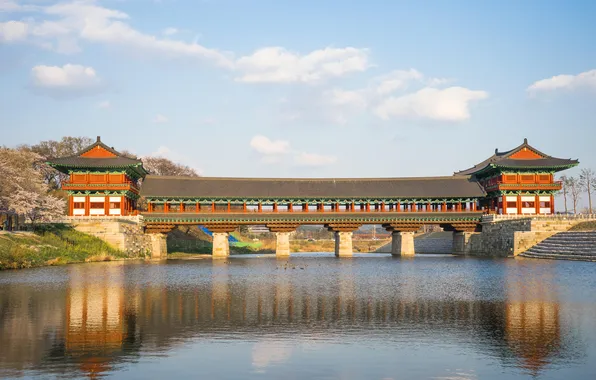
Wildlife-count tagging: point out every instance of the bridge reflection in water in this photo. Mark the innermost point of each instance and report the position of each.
(114, 313)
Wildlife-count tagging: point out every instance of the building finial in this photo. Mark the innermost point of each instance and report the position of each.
(525, 141)
(98, 138)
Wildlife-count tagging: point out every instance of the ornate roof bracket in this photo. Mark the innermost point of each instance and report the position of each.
(403, 226)
(282, 227)
(343, 227)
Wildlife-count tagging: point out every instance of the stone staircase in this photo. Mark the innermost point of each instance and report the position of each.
(566, 245)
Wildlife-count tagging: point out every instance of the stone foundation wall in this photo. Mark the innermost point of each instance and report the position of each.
(507, 238)
(125, 235)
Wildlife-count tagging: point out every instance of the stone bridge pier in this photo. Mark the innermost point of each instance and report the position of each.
(402, 243)
(402, 238)
(282, 233)
(221, 242)
(343, 238)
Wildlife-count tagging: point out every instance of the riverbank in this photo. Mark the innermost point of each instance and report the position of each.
(52, 245)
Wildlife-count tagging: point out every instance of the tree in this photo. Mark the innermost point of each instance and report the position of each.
(162, 166)
(565, 190)
(587, 178)
(23, 190)
(67, 146)
(575, 190)
(37, 207)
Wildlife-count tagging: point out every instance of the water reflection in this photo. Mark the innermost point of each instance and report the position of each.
(97, 318)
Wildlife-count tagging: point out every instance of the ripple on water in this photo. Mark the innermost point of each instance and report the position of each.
(312, 315)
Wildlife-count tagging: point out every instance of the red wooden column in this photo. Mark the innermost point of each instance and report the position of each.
(166, 207)
(382, 206)
(537, 204)
(444, 207)
(336, 206)
(552, 204)
(212, 206)
(106, 206)
(519, 205)
(397, 207)
(353, 206)
(197, 207)
(429, 207)
(70, 205)
(123, 206)
(149, 207)
(274, 206)
(414, 207)
(244, 207)
(322, 206)
(306, 207)
(291, 207)
(229, 207)
(367, 206)
(182, 207)
(87, 205)
(260, 207)
(474, 205)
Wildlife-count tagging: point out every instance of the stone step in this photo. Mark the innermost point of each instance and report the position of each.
(571, 245)
(563, 252)
(557, 257)
(568, 246)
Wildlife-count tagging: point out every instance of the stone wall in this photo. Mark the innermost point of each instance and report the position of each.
(506, 238)
(434, 243)
(125, 235)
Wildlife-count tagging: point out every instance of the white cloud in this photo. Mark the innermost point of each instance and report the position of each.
(450, 104)
(86, 21)
(313, 159)
(266, 146)
(69, 76)
(586, 79)
(13, 31)
(13, 6)
(278, 65)
(104, 105)
(352, 99)
(397, 80)
(170, 31)
(160, 119)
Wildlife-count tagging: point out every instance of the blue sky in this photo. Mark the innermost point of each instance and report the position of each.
(303, 88)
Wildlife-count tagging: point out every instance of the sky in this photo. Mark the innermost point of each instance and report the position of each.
(310, 88)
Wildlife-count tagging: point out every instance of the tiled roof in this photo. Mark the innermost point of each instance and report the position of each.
(79, 161)
(501, 159)
(213, 187)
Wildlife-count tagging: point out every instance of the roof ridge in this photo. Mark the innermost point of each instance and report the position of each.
(519, 148)
(462, 177)
(98, 142)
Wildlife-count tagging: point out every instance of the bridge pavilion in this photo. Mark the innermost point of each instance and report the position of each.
(103, 182)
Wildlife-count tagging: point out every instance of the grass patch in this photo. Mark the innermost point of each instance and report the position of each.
(52, 245)
(584, 226)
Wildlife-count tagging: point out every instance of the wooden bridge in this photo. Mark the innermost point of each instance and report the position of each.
(104, 182)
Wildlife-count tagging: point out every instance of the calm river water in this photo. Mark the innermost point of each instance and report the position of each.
(312, 317)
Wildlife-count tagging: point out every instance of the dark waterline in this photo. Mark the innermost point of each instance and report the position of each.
(312, 316)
